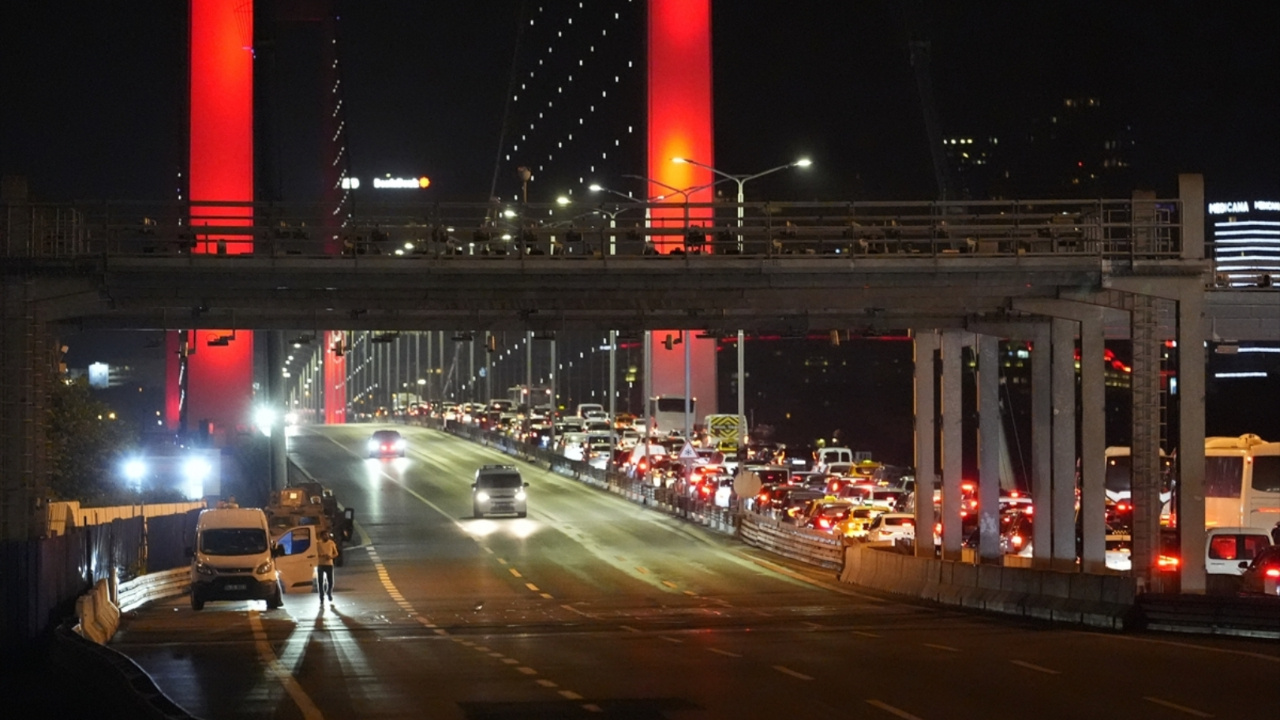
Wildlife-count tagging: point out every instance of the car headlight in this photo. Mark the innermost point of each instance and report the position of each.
(373, 445)
(399, 444)
(204, 569)
(520, 495)
(482, 496)
(264, 568)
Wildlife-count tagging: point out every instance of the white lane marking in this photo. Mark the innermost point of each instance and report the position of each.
(570, 695)
(1037, 668)
(788, 671)
(496, 655)
(671, 639)
(573, 609)
(811, 625)
(725, 653)
(502, 561)
(510, 661)
(865, 634)
(276, 668)
(893, 710)
(948, 648)
(690, 593)
(487, 549)
(526, 670)
(547, 683)
(1193, 646)
(515, 572)
(441, 632)
(641, 570)
(628, 628)
(1179, 708)
(591, 707)
(834, 587)
(482, 648)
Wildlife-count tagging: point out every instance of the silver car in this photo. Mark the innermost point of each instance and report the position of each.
(499, 490)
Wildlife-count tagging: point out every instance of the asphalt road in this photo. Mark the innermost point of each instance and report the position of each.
(594, 607)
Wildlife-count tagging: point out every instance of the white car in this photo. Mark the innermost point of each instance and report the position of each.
(892, 527)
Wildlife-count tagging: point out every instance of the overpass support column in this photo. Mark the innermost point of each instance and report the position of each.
(953, 342)
(279, 470)
(989, 448)
(926, 345)
(1063, 522)
(27, 367)
(1042, 444)
(1191, 389)
(1093, 441)
(1145, 451)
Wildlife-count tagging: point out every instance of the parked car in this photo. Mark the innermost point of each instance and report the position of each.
(1262, 574)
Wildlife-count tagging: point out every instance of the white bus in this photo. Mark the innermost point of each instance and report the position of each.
(667, 413)
(1241, 482)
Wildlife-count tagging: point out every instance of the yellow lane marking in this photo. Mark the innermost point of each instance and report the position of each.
(570, 695)
(547, 683)
(526, 670)
(532, 587)
(548, 596)
(515, 572)
(641, 570)
(276, 668)
(669, 584)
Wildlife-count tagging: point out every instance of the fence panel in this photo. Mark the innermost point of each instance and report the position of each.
(168, 537)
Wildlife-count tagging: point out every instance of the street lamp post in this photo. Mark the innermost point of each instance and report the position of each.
(741, 180)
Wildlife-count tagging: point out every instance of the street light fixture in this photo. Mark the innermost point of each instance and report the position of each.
(742, 180)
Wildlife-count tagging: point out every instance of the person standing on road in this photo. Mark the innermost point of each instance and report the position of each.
(327, 550)
(1275, 534)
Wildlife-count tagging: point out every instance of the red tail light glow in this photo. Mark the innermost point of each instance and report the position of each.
(1016, 540)
(824, 523)
(1272, 572)
(1167, 562)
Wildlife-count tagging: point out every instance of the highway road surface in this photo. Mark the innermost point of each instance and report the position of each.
(594, 607)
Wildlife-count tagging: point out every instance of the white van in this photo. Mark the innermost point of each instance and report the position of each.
(829, 456)
(234, 559)
(1227, 548)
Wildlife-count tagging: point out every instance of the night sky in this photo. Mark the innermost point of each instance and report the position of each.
(94, 91)
(94, 95)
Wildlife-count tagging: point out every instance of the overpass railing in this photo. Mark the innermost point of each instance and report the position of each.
(1113, 229)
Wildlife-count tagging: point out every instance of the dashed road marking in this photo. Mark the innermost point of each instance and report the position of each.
(548, 596)
(570, 695)
(948, 648)
(811, 625)
(1193, 646)
(547, 683)
(276, 668)
(515, 572)
(726, 653)
(502, 561)
(573, 609)
(690, 593)
(676, 641)
(865, 634)
(526, 670)
(481, 648)
(1180, 708)
(893, 710)
(487, 549)
(669, 584)
(510, 661)
(1037, 668)
(642, 571)
(628, 628)
(788, 671)
(532, 587)
(591, 707)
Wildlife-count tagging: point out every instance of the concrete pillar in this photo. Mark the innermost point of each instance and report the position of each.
(1063, 516)
(1191, 389)
(989, 448)
(1042, 444)
(1191, 215)
(613, 376)
(1145, 448)
(952, 445)
(278, 474)
(926, 344)
(1093, 441)
(28, 362)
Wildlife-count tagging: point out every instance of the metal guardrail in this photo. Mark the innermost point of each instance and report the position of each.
(1115, 229)
(807, 546)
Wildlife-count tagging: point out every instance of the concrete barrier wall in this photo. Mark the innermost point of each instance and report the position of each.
(1095, 600)
(64, 514)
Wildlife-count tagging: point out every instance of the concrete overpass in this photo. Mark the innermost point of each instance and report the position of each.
(953, 273)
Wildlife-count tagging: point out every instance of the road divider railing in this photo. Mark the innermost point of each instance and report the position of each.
(808, 546)
(154, 586)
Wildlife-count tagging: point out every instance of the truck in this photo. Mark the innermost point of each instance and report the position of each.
(310, 505)
(666, 413)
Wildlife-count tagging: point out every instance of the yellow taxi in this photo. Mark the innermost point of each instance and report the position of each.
(856, 523)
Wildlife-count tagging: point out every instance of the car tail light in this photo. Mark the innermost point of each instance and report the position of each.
(825, 524)
(1016, 540)
(937, 528)
(1122, 507)
(1167, 562)
(1272, 572)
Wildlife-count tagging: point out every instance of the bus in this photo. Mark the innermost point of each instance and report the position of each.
(1241, 480)
(667, 413)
